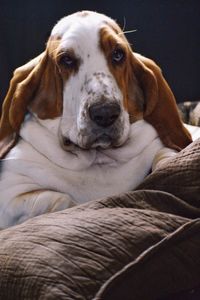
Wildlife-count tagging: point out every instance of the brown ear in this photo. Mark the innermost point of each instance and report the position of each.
(160, 105)
(37, 86)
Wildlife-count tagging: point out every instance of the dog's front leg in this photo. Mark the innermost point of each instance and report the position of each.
(162, 157)
(31, 204)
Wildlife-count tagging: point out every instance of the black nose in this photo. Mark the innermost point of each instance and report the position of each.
(104, 115)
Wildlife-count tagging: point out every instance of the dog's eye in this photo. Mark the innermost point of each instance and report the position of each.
(68, 61)
(118, 56)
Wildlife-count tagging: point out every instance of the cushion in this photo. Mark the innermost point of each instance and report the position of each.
(143, 244)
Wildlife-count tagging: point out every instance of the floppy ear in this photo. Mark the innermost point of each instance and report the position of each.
(35, 86)
(160, 105)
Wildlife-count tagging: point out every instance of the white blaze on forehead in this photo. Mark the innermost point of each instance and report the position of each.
(90, 20)
(80, 32)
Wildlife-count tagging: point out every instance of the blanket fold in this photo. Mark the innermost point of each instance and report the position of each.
(143, 244)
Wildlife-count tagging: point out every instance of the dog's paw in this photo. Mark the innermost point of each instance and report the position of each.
(162, 157)
(41, 202)
(35, 203)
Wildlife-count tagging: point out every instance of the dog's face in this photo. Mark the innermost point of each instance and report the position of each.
(90, 86)
(93, 58)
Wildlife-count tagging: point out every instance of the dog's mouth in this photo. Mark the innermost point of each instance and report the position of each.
(103, 141)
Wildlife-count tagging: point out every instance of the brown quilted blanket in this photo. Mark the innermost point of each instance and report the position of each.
(144, 244)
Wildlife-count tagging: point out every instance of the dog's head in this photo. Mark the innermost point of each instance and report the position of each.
(91, 82)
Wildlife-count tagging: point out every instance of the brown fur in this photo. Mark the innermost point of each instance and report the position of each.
(145, 91)
(127, 82)
(37, 86)
(161, 109)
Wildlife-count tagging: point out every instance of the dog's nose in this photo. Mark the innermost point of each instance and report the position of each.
(104, 115)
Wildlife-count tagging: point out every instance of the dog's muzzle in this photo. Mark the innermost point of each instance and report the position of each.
(102, 128)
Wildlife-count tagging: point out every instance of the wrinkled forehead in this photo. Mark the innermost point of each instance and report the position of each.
(83, 27)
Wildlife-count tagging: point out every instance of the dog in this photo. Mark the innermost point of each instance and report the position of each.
(83, 120)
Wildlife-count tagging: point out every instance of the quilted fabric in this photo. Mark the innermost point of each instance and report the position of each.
(144, 244)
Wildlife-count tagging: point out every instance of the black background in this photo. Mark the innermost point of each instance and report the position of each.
(168, 31)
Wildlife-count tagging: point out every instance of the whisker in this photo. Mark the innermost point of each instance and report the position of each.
(128, 31)
(124, 23)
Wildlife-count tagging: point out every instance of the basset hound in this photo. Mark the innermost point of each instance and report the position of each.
(83, 120)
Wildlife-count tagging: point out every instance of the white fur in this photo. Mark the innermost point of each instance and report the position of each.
(82, 35)
(38, 162)
(38, 176)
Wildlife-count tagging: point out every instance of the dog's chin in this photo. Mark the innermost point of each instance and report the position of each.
(103, 142)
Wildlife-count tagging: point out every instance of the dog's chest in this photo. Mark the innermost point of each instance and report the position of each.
(86, 175)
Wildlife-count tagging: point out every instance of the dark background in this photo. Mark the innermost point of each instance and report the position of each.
(167, 31)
